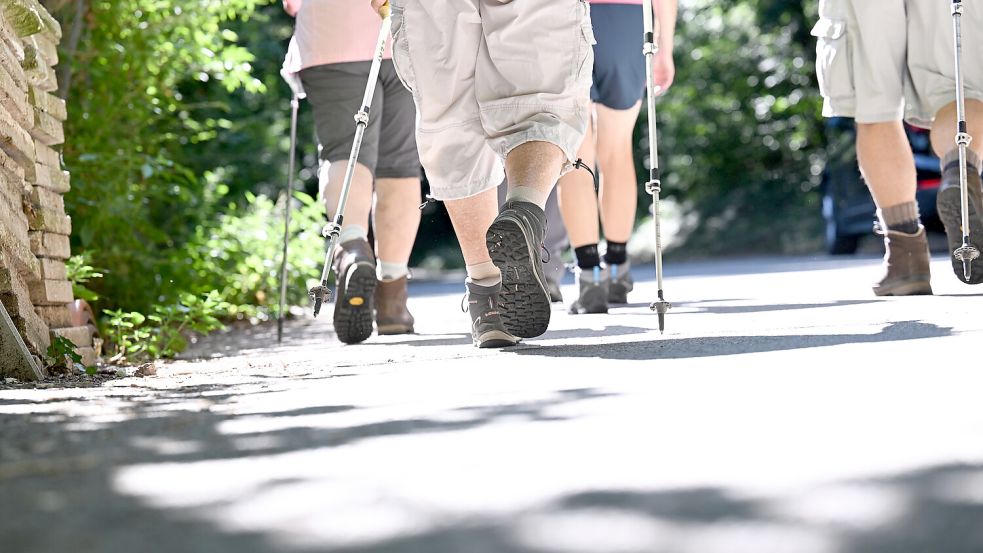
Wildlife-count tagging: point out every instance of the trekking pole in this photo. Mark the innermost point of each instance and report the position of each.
(654, 184)
(294, 108)
(332, 231)
(965, 253)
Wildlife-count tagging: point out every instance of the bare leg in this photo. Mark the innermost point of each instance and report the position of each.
(886, 162)
(359, 199)
(534, 166)
(397, 218)
(471, 218)
(618, 197)
(578, 199)
(944, 128)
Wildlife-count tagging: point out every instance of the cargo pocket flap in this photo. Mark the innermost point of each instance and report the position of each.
(588, 31)
(829, 29)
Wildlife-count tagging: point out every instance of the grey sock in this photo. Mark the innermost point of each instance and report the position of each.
(901, 218)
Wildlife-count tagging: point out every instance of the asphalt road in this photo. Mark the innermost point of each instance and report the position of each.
(785, 409)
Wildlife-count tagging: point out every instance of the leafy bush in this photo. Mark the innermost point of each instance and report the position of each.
(79, 273)
(239, 255)
(741, 137)
(137, 337)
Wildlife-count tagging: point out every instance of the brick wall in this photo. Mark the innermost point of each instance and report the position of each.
(34, 228)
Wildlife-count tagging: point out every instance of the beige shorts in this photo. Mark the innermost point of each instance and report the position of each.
(887, 60)
(488, 76)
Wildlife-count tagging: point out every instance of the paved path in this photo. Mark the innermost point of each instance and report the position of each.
(784, 410)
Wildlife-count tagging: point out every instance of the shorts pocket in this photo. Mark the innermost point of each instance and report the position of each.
(834, 69)
(585, 50)
(401, 50)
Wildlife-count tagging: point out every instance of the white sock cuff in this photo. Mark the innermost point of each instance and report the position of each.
(484, 274)
(528, 194)
(387, 272)
(353, 232)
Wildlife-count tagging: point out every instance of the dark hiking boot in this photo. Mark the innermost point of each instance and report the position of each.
(515, 243)
(948, 204)
(553, 287)
(906, 265)
(621, 282)
(594, 289)
(391, 314)
(487, 328)
(355, 274)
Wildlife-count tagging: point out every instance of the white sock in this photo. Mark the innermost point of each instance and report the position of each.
(353, 232)
(388, 272)
(484, 274)
(528, 194)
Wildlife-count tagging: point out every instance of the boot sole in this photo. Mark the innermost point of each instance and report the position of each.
(354, 307)
(913, 287)
(524, 300)
(495, 339)
(949, 207)
(391, 329)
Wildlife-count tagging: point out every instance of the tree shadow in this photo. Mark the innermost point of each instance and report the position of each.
(718, 346)
(700, 306)
(55, 464)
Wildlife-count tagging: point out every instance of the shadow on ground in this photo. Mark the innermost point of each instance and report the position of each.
(58, 473)
(683, 348)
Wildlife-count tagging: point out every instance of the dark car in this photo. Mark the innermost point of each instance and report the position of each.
(848, 208)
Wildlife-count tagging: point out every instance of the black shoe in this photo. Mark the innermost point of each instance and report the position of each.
(487, 328)
(948, 203)
(515, 242)
(621, 282)
(355, 291)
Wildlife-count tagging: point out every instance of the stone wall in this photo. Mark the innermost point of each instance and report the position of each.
(34, 228)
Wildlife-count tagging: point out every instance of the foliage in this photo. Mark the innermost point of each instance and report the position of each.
(740, 131)
(61, 354)
(134, 202)
(239, 255)
(137, 337)
(79, 273)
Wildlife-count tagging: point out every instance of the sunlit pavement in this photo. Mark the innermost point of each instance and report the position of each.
(785, 409)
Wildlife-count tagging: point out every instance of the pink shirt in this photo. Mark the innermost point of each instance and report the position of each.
(336, 31)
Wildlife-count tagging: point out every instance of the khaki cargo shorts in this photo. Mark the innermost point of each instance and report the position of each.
(887, 60)
(488, 76)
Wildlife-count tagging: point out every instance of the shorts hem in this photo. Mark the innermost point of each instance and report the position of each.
(473, 189)
(397, 173)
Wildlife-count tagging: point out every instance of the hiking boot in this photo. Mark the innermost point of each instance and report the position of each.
(906, 265)
(391, 314)
(355, 278)
(515, 243)
(948, 204)
(553, 288)
(487, 327)
(594, 290)
(621, 282)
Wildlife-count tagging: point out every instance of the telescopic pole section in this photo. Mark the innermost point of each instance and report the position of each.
(294, 108)
(965, 253)
(654, 184)
(332, 231)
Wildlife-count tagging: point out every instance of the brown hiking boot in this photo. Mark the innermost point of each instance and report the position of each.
(906, 260)
(355, 278)
(949, 206)
(391, 315)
